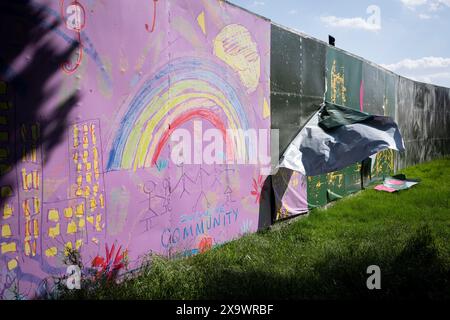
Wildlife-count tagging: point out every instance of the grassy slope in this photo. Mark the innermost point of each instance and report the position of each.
(323, 256)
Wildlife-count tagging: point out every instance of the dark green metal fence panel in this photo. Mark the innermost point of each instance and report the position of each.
(344, 76)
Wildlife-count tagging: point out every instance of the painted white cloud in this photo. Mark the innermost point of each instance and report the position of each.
(352, 23)
(434, 70)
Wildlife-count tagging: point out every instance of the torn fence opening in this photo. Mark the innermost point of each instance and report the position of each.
(336, 137)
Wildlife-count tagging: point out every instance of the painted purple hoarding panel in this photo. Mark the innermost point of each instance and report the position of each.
(143, 70)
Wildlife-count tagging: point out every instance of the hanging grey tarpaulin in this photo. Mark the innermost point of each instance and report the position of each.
(336, 137)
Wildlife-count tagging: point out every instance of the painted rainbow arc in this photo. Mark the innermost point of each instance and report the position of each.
(182, 90)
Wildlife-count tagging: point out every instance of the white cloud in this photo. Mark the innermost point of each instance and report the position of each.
(293, 11)
(353, 23)
(412, 4)
(444, 2)
(432, 5)
(424, 16)
(434, 70)
(425, 62)
(440, 78)
(258, 3)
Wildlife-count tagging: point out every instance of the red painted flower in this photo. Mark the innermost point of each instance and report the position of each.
(257, 188)
(109, 266)
(205, 244)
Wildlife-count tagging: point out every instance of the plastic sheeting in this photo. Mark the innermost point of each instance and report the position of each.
(317, 150)
(290, 193)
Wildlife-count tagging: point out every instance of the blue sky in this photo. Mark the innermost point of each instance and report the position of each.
(412, 37)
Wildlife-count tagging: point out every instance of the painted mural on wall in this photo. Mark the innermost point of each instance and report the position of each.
(141, 70)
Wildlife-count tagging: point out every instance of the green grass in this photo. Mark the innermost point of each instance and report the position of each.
(324, 256)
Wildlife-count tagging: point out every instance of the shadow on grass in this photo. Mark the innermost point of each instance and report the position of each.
(414, 272)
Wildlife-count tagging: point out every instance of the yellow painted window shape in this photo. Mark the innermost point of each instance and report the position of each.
(88, 166)
(7, 211)
(98, 220)
(36, 228)
(33, 154)
(27, 230)
(26, 208)
(36, 179)
(35, 132)
(72, 227)
(88, 178)
(96, 168)
(95, 189)
(33, 248)
(3, 120)
(79, 168)
(90, 219)
(93, 136)
(12, 264)
(75, 156)
(37, 205)
(29, 156)
(6, 191)
(78, 243)
(87, 191)
(95, 153)
(6, 231)
(85, 141)
(51, 252)
(76, 133)
(85, 156)
(79, 180)
(27, 180)
(85, 128)
(79, 192)
(53, 232)
(27, 248)
(68, 212)
(81, 223)
(53, 215)
(67, 246)
(80, 210)
(102, 201)
(93, 204)
(7, 247)
(4, 136)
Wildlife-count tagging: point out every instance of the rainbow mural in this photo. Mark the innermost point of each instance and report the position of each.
(184, 89)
